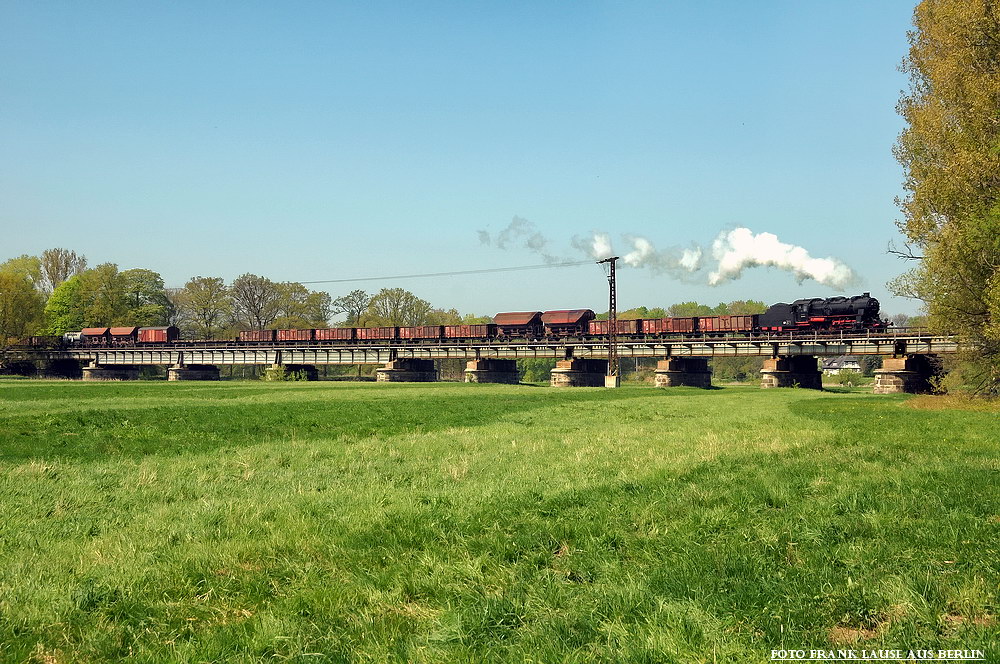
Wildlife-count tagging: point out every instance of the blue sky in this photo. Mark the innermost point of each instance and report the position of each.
(309, 141)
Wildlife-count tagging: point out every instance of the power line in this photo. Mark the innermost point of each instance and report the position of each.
(447, 274)
(404, 276)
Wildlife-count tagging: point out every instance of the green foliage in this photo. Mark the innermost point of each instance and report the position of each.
(442, 317)
(252, 522)
(396, 306)
(103, 296)
(849, 378)
(282, 374)
(689, 309)
(535, 371)
(21, 305)
(301, 308)
(65, 309)
(205, 307)
(256, 302)
(352, 305)
(739, 369)
(145, 301)
(951, 153)
(25, 267)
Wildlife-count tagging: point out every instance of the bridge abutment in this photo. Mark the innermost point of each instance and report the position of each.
(579, 373)
(193, 372)
(792, 371)
(681, 371)
(492, 371)
(911, 374)
(407, 370)
(94, 372)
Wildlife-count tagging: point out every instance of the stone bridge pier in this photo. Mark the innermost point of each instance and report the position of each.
(193, 372)
(492, 371)
(579, 373)
(911, 374)
(94, 371)
(792, 371)
(677, 371)
(407, 370)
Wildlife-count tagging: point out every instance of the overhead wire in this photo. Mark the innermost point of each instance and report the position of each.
(452, 273)
(448, 274)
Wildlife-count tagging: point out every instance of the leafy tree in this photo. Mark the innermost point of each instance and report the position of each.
(145, 301)
(21, 304)
(951, 153)
(58, 265)
(745, 307)
(299, 307)
(102, 296)
(65, 309)
(354, 304)
(25, 266)
(204, 304)
(442, 317)
(396, 306)
(256, 301)
(689, 309)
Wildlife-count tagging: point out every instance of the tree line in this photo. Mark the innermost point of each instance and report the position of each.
(950, 151)
(56, 292)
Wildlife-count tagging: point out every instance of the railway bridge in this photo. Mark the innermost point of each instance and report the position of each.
(790, 358)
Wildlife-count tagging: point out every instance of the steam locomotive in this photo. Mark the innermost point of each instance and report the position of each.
(860, 312)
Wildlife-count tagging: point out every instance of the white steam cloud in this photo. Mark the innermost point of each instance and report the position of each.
(732, 253)
(739, 249)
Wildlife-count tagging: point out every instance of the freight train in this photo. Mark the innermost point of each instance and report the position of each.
(856, 313)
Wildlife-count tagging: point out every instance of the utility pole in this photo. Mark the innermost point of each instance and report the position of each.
(613, 379)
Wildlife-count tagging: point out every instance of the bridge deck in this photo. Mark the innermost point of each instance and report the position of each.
(903, 342)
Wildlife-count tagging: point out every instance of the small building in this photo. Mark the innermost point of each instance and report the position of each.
(835, 365)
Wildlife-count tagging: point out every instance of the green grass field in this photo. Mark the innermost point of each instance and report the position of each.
(332, 522)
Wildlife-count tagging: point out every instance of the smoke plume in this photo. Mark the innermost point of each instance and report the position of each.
(736, 250)
(733, 252)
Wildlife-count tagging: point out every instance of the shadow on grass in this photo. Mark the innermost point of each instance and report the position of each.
(194, 428)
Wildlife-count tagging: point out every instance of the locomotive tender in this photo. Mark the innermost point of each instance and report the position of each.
(860, 312)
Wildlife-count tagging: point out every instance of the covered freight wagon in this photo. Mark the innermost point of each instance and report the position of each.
(95, 335)
(567, 322)
(519, 324)
(158, 335)
(123, 336)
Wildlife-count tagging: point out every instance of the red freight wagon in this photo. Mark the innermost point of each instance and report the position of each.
(420, 332)
(567, 322)
(727, 323)
(483, 331)
(153, 335)
(519, 323)
(124, 335)
(257, 335)
(668, 325)
(375, 333)
(602, 327)
(295, 335)
(335, 334)
(95, 335)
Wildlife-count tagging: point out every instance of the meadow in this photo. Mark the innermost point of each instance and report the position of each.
(359, 522)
